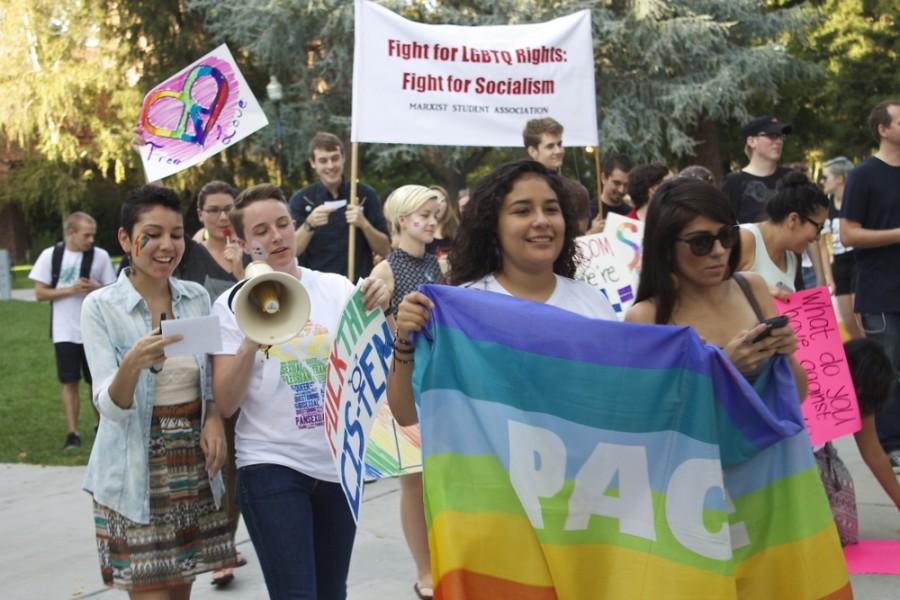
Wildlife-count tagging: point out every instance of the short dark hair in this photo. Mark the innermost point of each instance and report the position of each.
(142, 199)
(475, 251)
(215, 187)
(253, 194)
(581, 198)
(872, 374)
(794, 192)
(323, 140)
(676, 203)
(614, 160)
(535, 128)
(698, 172)
(641, 179)
(881, 116)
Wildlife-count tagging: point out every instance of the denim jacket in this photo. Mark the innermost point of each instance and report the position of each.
(112, 320)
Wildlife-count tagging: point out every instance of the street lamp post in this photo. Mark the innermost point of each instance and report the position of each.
(276, 93)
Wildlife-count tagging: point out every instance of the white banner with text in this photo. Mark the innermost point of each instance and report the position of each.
(470, 86)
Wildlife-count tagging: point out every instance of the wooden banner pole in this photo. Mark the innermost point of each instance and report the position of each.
(351, 242)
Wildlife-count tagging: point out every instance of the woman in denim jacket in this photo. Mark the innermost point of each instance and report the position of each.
(160, 437)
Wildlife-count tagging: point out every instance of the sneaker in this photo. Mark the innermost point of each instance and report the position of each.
(73, 441)
(894, 455)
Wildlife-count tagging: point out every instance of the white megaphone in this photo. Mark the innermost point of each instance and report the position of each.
(270, 307)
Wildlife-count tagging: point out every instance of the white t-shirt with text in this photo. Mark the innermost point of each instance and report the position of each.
(67, 311)
(282, 419)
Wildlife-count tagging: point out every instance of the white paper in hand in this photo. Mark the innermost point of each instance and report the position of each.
(202, 335)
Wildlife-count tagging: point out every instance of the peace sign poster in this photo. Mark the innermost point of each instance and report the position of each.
(196, 113)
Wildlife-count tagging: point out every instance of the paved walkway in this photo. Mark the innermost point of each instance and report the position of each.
(48, 541)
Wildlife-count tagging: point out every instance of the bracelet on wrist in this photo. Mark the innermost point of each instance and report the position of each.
(398, 339)
(403, 361)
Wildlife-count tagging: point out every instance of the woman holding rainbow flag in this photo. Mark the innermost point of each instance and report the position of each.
(517, 238)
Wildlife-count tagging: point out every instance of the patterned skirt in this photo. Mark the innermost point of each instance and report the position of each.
(186, 535)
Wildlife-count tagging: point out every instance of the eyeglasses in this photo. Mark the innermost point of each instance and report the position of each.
(771, 136)
(702, 243)
(215, 210)
(819, 226)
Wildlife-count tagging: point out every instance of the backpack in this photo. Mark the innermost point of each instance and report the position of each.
(87, 259)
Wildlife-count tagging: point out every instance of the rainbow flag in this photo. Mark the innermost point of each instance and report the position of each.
(578, 459)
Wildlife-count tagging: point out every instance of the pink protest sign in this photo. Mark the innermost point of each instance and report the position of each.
(196, 113)
(873, 556)
(830, 409)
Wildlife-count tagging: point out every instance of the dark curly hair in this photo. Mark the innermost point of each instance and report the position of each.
(676, 203)
(475, 251)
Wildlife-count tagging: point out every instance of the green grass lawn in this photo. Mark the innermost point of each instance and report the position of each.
(32, 423)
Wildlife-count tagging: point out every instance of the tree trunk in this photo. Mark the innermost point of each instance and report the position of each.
(14, 233)
(708, 152)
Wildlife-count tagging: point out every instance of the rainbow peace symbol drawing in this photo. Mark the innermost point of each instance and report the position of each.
(188, 106)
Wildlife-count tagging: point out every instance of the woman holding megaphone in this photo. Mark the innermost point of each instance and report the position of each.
(287, 486)
(153, 470)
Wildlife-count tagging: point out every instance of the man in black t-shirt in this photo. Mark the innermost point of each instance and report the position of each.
(614, 171)
(322, 213)
(750, 188)
(871, 225)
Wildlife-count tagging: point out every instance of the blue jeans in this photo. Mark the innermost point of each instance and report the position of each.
(884, 328)
(302, 531)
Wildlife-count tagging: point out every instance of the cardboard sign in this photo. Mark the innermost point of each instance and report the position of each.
(627, 239)
(831, 409)
(196, 113)
(599, 266)
(355, 387)
(873, 556)
(392, 450)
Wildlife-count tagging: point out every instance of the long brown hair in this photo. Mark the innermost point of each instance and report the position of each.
(676, 203)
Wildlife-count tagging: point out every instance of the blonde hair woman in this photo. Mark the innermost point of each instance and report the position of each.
(412, 212)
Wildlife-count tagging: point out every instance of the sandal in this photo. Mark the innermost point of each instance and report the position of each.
(222, 577)
(423, 592)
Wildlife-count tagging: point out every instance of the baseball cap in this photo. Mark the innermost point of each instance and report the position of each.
(765, 124)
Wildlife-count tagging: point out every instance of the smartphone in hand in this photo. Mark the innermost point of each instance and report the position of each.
(770, 323)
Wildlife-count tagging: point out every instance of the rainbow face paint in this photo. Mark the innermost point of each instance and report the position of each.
(141, 241)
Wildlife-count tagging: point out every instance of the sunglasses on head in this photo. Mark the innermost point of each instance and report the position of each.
(702, 244)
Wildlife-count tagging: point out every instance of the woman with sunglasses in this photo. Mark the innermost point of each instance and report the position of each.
(688, 277)
(797, 213)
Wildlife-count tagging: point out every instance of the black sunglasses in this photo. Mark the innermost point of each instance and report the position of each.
(703, 243)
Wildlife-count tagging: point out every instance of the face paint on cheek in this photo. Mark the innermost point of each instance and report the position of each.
(142, 241)
(257, 251)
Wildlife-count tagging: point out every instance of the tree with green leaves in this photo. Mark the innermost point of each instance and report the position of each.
(857, 46)
(668, 72)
